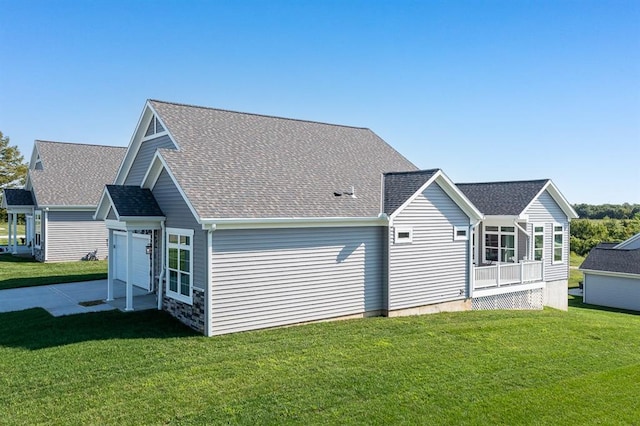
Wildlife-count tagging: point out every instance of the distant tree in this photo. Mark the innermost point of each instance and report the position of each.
(13, 169)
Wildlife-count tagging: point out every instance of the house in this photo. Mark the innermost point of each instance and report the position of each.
(612, 275)
(241, 221)
(521, 253)
(62, 188)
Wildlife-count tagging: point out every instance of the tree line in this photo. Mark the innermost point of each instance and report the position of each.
(603, 223)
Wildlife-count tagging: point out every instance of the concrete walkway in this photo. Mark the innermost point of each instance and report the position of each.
(65, 299)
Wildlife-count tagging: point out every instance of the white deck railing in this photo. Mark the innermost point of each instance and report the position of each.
(503, 274)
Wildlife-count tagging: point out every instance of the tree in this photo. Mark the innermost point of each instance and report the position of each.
(13, 169)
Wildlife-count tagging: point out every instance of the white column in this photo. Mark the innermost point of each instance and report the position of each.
(9, 230)
(15, 233)
(110, 270)
(129, 304)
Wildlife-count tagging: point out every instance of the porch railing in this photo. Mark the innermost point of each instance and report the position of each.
(502, 274)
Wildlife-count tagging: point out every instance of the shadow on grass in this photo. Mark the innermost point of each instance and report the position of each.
(52, 279)
(37, 329)
(576, 302)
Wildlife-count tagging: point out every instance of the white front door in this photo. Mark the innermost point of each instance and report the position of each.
(141, 262)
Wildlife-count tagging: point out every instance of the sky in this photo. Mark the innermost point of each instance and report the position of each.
(485, 90)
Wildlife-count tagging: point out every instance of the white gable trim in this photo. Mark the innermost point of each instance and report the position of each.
(451, 190)
(153, 173)
(557, 196)
(136, 141)
(102, 209)
(628, 242)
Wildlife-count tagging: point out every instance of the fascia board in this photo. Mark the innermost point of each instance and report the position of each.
(557, 197)
(132, 148)
(102, 209)
(459, 198)
(610, 273)
(177, 185)
(414, 196)
(293, 222)
(628, 241)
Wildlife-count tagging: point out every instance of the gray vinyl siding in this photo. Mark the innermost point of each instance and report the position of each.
(434, 267)
(522, 243)
(615, 292)
(544, 210)
(73, 234)
(143, 158)
(179, 215)
(112, 214)
(272, 277)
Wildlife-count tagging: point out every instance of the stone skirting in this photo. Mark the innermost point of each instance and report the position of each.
(38, 253)
(191, 315)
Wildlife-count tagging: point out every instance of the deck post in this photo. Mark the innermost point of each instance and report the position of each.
(521, 272)
(498, 274)
(129, 303)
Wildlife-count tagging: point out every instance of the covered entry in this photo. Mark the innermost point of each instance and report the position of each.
(141, 261)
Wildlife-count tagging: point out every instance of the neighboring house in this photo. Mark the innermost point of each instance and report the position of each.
(62, 189)
(612, 275)
(242, 221)
(522, 243)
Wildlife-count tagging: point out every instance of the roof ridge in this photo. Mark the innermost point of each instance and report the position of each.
(260, 115)
(412, 172)
(81, 143)
(504, 181)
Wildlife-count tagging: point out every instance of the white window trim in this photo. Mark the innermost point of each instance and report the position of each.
(537, 225)
(401, 230)
(37, 230)
(457, 237)
(553, 244)
(172, 294)
(500, 248)
(155, 133)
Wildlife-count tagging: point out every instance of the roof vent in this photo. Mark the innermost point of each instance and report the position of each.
(352, 193)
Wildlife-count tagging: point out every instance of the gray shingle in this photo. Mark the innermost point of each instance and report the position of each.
(605, 258)
(238, 165)
(17, 197)
(502, 198)
(399, 186)
(74, 174)
(133, 201)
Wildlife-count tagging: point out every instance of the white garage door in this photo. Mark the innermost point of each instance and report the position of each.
(141, 267)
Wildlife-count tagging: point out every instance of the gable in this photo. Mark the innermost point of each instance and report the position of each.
(144, 156)
(545, 209)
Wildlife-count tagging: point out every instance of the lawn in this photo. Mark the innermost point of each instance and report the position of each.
(575, 276)
(492, 367)
(18, 271)
(4, 229)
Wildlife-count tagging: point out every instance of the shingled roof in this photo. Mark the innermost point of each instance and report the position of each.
(604, 257)
(17, 197)
(400, 186)
(502, 198)
(239, 165)
(131, 201)
(73, 174)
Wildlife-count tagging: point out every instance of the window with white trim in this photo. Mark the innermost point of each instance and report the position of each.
(154, 127)
(37, 224)
(460, 233)
(179, 261)
(403, 236)
(500, 244)
(538, 242)
(558, 243)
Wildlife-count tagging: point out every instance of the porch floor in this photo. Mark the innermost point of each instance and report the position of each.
(142, 299)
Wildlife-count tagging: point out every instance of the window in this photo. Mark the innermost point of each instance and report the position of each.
(558, 244)
(538, 242)
(37, 220)
(500, 243)
(179, 264)
(154, 127)
(460, 233)
(403, 236)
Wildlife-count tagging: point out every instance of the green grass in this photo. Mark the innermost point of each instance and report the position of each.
(18, 271)
(3, 232)
(492, 367)
(575, 276)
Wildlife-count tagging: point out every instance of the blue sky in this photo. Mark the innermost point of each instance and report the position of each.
(491, 90)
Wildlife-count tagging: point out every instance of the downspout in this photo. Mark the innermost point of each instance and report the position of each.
(162, 269)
